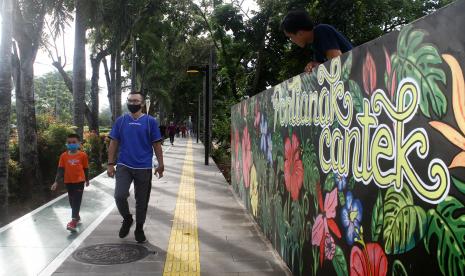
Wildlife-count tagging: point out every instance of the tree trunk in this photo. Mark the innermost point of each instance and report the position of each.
(258, 69)
(113, 86)
(79, 67)
(5, 103)
(27, 126)
(109, 88)
(94, 91)
(27, 36)
(118, 108)
(69, 84)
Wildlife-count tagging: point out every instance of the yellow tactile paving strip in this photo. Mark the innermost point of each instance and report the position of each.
(183, 248)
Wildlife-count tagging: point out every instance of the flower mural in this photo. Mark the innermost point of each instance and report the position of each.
(246, 157)
(253, 190)
(351, 216)
(269, 148)
(257, 115)
(458, 104)
(237, 160)
(266, 143)
(325, 222)
(341, 181)
(263, 132)
(369, 74)
(293, 167)
(369, 261)
(278, 157)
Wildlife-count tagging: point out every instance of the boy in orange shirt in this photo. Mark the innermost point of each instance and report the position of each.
(73, 172)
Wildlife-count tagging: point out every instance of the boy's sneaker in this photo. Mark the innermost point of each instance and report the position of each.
(139, 234)
(127, 223)
(72, 225)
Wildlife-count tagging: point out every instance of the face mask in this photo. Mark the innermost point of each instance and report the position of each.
(133, 108)
(72, 147)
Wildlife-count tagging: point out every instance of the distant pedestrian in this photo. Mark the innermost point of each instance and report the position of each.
(163, 133)
(134, 137)
(171, 132)
(73, 171)
(183, 131)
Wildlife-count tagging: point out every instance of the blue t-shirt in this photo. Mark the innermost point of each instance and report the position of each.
(326, 37)
(135, 137)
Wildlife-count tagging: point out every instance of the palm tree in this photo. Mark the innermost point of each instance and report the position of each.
(5, 100)
(28, 25)
(79, 66)
(28, 22)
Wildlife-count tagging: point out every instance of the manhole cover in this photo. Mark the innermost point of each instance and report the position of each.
(111, 253)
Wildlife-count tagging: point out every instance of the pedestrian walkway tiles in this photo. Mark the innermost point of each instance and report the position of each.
(183, 247)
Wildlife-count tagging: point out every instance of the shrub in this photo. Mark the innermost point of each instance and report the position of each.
(14, 174)
(94, 146)
(51, 144)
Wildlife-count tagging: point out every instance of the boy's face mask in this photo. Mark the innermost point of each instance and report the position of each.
(72, 147)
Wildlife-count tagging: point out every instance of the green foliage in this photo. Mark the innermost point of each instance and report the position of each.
(398, 269)
(329, 183)
(404, 222)
(94, 147)
(14, 181)
(418, 60)
(347, 68)
(446, 233)
(53, 97)
(357, 96)
(460, 185)
(51, 143)
(340, 263)
(377, 218)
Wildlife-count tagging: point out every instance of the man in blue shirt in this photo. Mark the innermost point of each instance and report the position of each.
(134, 136)
(325, 40)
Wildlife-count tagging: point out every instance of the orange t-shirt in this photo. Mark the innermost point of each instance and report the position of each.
(74, 165)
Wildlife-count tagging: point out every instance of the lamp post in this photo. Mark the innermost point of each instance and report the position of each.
(205, 70)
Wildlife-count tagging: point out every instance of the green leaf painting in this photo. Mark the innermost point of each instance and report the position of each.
(340, 263)
(404, 222)
(347, 67)
(398, 269)
(377, 218)
(357, 96)
(460, 185)
(446, 232)
(329, 183)
(419, 61)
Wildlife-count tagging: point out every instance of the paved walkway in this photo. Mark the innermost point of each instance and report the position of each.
(194, 226)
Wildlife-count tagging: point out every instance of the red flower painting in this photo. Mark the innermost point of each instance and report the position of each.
(293, 167)
(369, 74)
(325, 222)
(371, 261)
(256, 123)
(246, 157)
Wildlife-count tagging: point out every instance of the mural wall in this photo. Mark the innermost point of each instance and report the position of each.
(359, 167)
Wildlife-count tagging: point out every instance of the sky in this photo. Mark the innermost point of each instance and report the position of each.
(43, 63)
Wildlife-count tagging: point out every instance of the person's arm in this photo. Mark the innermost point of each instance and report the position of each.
(59, 178)
(159, 154)
(85, 164)
(332, 53)
(112, 149)
(86, 174)
(311, 65)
